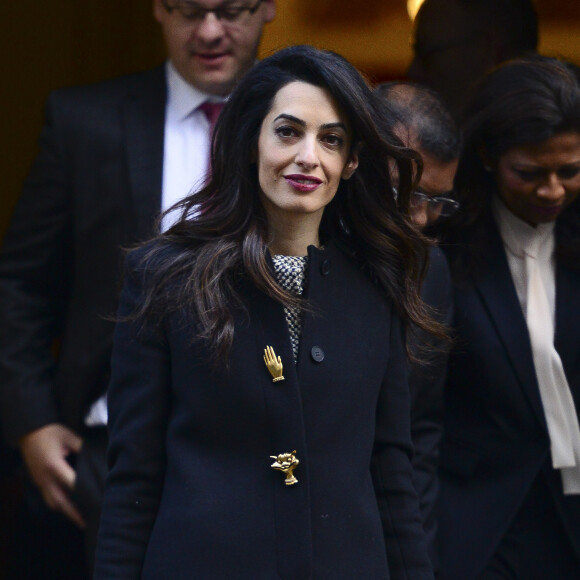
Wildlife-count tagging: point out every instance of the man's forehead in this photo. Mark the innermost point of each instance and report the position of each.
(437, 177)
(213, 3)
(406, 134)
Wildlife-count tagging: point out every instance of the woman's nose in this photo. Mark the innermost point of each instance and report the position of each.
(552, 190)
(307, 155)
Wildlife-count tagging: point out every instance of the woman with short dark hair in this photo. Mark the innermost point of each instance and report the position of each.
(259, 409)
(510, 473)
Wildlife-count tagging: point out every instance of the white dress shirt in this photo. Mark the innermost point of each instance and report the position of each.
(530, 252)
(186, 143)
(517, 234)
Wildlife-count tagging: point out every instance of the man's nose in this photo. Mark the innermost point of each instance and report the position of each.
(210, 28)
(420, 216)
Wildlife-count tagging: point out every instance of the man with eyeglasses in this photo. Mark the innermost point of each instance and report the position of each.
(212, 44)
(423, 123)
(112, 155)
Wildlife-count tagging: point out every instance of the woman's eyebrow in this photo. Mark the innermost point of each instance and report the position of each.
(302, 123)
(338, 124)
(291, 118)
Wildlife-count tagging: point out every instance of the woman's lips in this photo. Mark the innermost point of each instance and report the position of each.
(547, 210)
(303, 183)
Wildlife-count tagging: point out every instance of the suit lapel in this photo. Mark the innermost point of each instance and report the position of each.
(568, 320)
(495, 286)
(144, 117)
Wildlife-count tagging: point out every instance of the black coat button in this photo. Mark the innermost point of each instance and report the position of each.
(325, 267)
(317, 354)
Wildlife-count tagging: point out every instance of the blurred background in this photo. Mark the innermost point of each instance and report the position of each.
(54, 43)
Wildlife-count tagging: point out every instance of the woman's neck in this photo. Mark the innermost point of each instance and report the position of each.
(291, 237)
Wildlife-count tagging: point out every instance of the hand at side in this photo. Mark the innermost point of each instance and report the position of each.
(45, 451)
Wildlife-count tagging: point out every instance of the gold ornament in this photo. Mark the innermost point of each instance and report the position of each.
(286, 463)
(274, 364)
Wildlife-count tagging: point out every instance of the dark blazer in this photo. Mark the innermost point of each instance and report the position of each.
(495, 441)
(191, 493)
(426, 382)
(94, 187)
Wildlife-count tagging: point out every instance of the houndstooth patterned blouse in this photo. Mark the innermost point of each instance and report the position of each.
(291, 273)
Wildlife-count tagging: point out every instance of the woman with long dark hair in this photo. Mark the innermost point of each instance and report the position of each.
(259, 410)
(510, 457)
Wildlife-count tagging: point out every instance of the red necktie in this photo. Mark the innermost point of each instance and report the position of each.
(212, 112)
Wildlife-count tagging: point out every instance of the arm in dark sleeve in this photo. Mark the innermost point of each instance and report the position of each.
(138, 400)
(426, 384)
(392, 473)
(35, 271)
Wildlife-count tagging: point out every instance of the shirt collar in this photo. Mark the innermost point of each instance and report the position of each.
(520, 237)
(182, 97)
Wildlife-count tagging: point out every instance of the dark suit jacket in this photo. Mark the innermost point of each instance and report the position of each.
(94, 187)
(495, 439)
(426, 382)
(191, 493)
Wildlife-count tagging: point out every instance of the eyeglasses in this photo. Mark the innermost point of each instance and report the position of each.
(192, 12)
(442, 206)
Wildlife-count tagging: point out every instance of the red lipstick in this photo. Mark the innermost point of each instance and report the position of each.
(547, 210)
(304, 183)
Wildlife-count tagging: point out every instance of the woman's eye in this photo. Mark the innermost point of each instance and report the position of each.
(528, 175)
(334, 140)
(285, 132)
(568, 172)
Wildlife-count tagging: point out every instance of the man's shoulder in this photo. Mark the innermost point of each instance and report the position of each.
(110, 90)
(95, 107)
(438, 264)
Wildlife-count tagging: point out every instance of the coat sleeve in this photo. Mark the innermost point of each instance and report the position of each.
(426, 383)
(392, 473)
(138, 401)
(35, 268)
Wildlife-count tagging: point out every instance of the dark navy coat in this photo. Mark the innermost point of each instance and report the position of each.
(426, 383)
(191, 493)
(495, 440)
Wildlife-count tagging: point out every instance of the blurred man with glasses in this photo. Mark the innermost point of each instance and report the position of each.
(112, 156)
(212, 44)
(423, 123)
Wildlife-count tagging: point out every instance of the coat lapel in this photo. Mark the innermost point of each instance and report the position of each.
(144, 117)
(495, 286)
(568, 322)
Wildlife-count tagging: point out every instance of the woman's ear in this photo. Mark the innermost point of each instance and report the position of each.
(350, 167)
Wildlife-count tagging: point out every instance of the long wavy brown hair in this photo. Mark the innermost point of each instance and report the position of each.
(222, 234)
